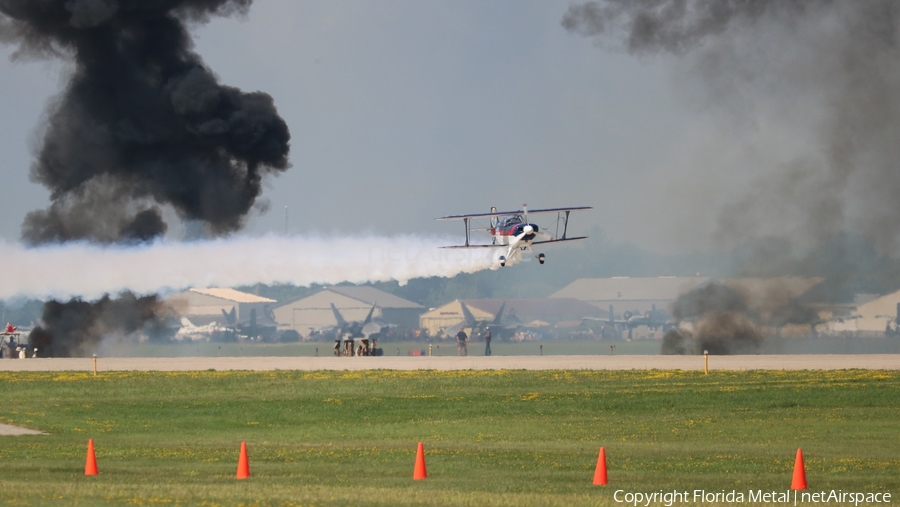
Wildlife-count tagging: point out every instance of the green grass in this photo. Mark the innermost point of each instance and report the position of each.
(491, 437)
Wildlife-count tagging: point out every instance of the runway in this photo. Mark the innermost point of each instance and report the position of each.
(606, 362)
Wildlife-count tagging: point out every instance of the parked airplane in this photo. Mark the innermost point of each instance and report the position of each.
(472, 322)
(500, 325)
(356, 329)
(189, 331)
(251, 328)
(653, 319)
(512, 229)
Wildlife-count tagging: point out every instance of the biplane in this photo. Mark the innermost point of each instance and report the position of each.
(514, 235)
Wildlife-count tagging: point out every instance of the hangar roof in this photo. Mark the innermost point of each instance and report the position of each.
(537, 307)
(233, 295)
(626, 288)
(371, 295)
(519, 309)
(364, 294)
(772, 292)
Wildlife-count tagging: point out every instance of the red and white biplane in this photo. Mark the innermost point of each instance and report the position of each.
(513, 235)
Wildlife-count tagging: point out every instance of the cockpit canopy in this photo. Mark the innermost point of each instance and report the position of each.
(513, 220)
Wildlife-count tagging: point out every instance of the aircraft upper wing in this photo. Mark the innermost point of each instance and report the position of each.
(516, 212)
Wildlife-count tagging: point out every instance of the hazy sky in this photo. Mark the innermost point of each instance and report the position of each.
(403, 111)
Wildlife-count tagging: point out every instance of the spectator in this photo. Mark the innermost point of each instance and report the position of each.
(461, 339)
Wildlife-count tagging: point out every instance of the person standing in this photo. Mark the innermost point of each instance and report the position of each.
(461, 339)
(487, 341)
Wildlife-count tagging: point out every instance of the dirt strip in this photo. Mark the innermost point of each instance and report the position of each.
(10, 430)
(754, 362)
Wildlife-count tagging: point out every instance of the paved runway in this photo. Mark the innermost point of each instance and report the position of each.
(751, 362)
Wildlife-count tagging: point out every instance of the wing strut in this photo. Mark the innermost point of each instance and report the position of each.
(565, 222)
(466, 222)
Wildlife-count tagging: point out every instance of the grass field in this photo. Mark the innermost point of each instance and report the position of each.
(512, 438)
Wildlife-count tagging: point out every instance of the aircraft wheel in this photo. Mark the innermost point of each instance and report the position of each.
(541, 258)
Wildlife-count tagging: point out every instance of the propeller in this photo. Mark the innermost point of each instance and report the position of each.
(514, 242)
(529, 229)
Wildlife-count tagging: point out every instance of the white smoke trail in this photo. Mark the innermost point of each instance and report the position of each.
(89, 271)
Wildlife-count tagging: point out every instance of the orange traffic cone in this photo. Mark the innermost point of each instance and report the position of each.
(243, 470)
(419, 472)
(799, 481)
(90, 465)
(600, 478)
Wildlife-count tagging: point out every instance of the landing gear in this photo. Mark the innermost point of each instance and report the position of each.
(502, 261)
(541, 258)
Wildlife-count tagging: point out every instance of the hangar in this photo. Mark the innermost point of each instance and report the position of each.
(874, 316)
(313, 311)
(516, 312)
(205, 306)
(627, 293)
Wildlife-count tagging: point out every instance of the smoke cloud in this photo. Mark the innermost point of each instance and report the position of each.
(90, 271)
(813, 85)
(143, 125)
(736, 316)
(722, 321)
(77, 327)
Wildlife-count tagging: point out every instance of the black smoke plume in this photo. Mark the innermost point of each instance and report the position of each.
(722, 320)
(730, 318)
(710, 298)
(142, 122)
(717, 333)
(77, 328)
(826, 72)
(142, 127)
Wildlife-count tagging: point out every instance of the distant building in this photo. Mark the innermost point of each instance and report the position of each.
(625, 293)
(872, 316)
(206, 306)
(517, 312)
(313, 311)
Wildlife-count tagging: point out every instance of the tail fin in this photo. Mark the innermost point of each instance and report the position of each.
(499, 316)
(230, 317)
(470, 319)
(369, 316)
(337, 316)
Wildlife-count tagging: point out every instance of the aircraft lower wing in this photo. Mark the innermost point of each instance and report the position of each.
(558, 240)
(474, 246)
(507, 246)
